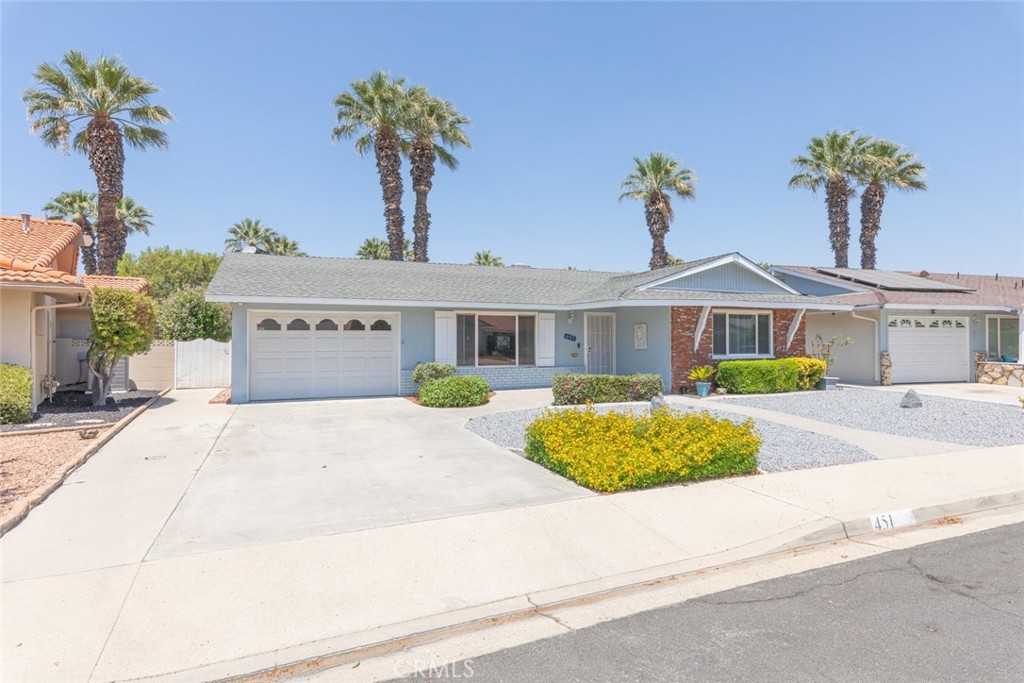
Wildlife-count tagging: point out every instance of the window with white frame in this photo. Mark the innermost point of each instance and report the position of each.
(741, 334)
(1003, 338)
(487, 339)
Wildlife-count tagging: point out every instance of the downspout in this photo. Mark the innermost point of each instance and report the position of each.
(32, 336)
(878, 370)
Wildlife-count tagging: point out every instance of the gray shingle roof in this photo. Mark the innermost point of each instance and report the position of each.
(243, 277)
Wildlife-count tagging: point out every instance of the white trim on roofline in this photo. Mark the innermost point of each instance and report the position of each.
(835, 282)
(738, 259)
(947, 307)
(809, 304)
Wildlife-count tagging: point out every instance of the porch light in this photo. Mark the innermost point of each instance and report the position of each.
(570, 317)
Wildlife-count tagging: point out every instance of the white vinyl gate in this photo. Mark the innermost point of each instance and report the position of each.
(202, 364)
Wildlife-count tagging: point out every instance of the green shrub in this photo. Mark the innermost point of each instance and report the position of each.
(758, 376)
(15, 394)
(457, 391)
(426, 372)
(615, 451)
(579, 389)
(809, 371)
(187, 315)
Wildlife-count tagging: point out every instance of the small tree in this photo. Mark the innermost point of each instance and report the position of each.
(822, 348)
(187, 315)
(169, 270)
(123, 324)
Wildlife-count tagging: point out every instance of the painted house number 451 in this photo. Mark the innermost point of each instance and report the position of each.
(891, 520)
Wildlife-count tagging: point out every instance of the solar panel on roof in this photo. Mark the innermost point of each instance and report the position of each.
(885, 279)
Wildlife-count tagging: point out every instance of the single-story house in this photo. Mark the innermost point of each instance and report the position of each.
(334, 327)
(44, 303)
(917, 327)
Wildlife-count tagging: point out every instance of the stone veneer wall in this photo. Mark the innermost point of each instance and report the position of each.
(885, 363)
(684, 327)
(504, 377)
(1004, 374)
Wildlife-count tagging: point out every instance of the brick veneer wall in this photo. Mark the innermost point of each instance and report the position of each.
(684, 327)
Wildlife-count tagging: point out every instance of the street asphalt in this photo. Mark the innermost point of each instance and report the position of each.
(945, 611)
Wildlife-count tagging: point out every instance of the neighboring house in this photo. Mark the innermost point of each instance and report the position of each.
(331, 327)
(44, 302)
(920, 327)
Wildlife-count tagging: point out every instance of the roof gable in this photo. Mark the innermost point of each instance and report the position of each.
(732, 273)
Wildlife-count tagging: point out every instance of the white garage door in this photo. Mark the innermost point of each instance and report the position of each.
(322, 355)
(929, 349)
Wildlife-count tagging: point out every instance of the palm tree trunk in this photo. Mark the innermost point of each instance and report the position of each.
(658, 227)
(389, 166)
(837, 199)
(870, 223)
(422, 159)
(89, 252)
(106, 158)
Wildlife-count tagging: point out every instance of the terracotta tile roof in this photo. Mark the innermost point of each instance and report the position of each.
(132, 284)
(38, 247)
(1002, 291)
(37, 276)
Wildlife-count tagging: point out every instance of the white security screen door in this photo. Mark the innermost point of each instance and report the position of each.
(600, 342)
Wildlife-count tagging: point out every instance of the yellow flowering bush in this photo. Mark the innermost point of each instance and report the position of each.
(615, 451)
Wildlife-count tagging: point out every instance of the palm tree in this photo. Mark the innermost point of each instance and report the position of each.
(831, 161)
(376, 249)
(109, 106)
(134, 217)
(652, 181)
(279, 245)
(79, 207)
(375, 110)
(248, 233)
(430, 120)
(887, 165)
(486, 258)
(671, 260)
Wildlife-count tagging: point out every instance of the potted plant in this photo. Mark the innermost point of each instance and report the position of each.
(822, 350)
(701, 376)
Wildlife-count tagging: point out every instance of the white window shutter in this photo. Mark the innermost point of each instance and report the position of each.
(546, 339)
(444, 337)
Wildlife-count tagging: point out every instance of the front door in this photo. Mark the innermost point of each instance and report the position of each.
(599, 338)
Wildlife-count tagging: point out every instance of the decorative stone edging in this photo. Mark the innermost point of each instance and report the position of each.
(1002, 374)
(43, 491)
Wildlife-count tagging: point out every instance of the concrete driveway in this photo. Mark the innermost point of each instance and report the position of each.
(189, 477)
(972, 391)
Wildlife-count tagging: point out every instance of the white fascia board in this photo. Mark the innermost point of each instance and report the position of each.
(716, 303)
(738, 259)
(386, 304)
(835, 282)
(947, 307)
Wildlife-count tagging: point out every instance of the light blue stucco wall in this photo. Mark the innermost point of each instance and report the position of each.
(657, 358)
(728, 277)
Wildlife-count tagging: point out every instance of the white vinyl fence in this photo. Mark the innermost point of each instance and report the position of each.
(202, 364)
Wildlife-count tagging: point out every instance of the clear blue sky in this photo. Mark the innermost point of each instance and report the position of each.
(562, 96)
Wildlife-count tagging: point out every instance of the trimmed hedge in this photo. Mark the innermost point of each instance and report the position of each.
(15, 394)
(615, 451)
(809, 370)
(457, 391)
(576, 389)
(426, 372)
(758, 376)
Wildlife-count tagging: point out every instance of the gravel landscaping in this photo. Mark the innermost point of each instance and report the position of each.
(74, 408)
(971, 423)
(784, 448)
(28, 460)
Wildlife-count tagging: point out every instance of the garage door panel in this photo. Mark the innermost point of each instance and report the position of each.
(929, 349)
(323, 361)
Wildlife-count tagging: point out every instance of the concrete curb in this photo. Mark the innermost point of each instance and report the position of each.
(354, 647)
(50, 430)
(43, 491)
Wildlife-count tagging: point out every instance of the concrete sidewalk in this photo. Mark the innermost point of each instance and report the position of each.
(216, 614)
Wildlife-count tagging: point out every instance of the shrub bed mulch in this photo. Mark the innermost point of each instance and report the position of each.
(75, 409)
(416, 400)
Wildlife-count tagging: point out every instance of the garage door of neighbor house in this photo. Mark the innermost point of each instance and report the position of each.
(322, 355)
(929, 349)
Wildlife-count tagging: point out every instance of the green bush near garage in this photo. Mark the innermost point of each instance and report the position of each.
(457, 391)
(758, 376)
(428, 372)
(15, 394)
(575, 389)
